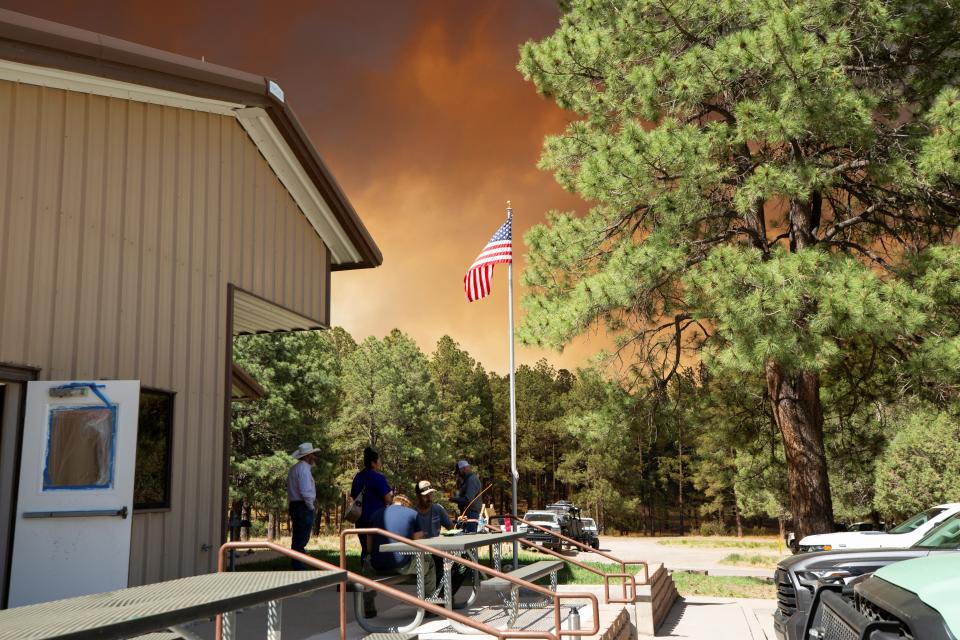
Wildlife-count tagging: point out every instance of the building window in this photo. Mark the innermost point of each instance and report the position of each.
(151, 484)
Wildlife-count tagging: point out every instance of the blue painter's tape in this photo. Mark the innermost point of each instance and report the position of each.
(48, 484)
(93, 386)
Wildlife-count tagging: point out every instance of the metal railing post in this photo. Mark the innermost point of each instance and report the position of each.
(556, 597)
(226, 621)
(606, 590)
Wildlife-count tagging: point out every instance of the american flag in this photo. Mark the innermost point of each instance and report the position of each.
(476, 283)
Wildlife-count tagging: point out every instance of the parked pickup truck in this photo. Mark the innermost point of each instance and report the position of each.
(915, 599)
(547, 520)
(900, 537)
(798, 577)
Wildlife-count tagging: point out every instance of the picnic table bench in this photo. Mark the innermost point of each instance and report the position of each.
(530, 573)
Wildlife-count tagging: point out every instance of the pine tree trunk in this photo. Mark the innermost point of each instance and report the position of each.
(680, 487)
(736, 505)
(273, 526)
(799, 415)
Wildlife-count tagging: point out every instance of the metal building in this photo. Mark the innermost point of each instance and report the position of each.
(152, 207)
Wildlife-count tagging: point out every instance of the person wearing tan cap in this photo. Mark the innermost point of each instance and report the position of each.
(433, 517)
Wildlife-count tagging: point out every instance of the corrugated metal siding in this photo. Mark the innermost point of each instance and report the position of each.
(121, 225)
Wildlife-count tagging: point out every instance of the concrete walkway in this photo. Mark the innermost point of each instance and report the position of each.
(706, 618)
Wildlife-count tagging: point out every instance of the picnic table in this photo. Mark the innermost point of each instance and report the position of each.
(127, 613)
(463, 545)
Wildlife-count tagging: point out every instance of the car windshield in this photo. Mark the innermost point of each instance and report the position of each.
(946, 535)
(540, 517)
(588, 522)
(918, 520)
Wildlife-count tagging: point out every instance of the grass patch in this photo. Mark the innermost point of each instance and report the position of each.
(719, 543)
(696, 584)
(751, 560)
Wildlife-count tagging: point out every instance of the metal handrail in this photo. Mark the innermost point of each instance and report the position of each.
(606, 576)
(376, 586)
(553, 595)
(607, 599)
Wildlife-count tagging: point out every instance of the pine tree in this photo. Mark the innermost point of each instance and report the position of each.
(762, 171)
(390, 403)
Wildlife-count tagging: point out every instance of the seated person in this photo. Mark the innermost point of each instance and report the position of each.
(400, 519)
(433, 517)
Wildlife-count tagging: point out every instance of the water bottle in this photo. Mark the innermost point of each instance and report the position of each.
(574, 619)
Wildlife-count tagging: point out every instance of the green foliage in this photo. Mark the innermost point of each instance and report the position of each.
(600, 458)
(300, 373)
(697, 584)
(921, 467)
(752, 560)
(465, 406)
(774, 188)
(714, 528)
(797, 309)
(389, 402)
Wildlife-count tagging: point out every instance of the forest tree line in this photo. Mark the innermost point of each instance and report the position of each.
(701, 453)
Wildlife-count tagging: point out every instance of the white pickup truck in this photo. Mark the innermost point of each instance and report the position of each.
(900, 537)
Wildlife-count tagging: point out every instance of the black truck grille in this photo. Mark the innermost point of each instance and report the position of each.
(786, 593)
(844, 618)
(834, 628)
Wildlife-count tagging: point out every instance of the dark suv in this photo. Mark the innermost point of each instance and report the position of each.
(797, 577)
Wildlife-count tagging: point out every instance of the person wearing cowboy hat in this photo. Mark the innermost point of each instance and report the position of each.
(302, 496)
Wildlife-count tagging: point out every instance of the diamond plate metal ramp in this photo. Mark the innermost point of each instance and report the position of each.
(127, 613)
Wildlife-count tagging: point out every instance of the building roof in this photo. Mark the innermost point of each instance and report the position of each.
(87, 61)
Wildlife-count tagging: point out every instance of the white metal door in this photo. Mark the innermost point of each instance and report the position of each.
(75, 501)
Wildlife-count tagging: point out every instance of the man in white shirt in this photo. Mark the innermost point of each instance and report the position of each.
(302, 495)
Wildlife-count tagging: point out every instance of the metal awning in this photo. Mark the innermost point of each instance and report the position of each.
(244, 388)
(253, 314)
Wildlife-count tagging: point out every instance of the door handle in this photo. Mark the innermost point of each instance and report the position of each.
(88, 513)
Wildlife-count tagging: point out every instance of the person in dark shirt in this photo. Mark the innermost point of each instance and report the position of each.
(400, 519)
(377, 493)
(464, 498)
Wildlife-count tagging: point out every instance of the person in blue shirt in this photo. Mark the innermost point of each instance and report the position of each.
(400, 519)
(433, 517)
(377, 493)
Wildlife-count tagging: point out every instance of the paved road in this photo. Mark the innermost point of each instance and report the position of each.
(679, 557)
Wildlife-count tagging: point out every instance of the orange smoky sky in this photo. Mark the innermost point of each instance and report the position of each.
(419, 111)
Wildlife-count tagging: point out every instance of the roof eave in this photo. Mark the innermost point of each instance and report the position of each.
(34, 41)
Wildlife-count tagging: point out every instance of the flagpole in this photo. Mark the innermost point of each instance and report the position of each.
(513, 392)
